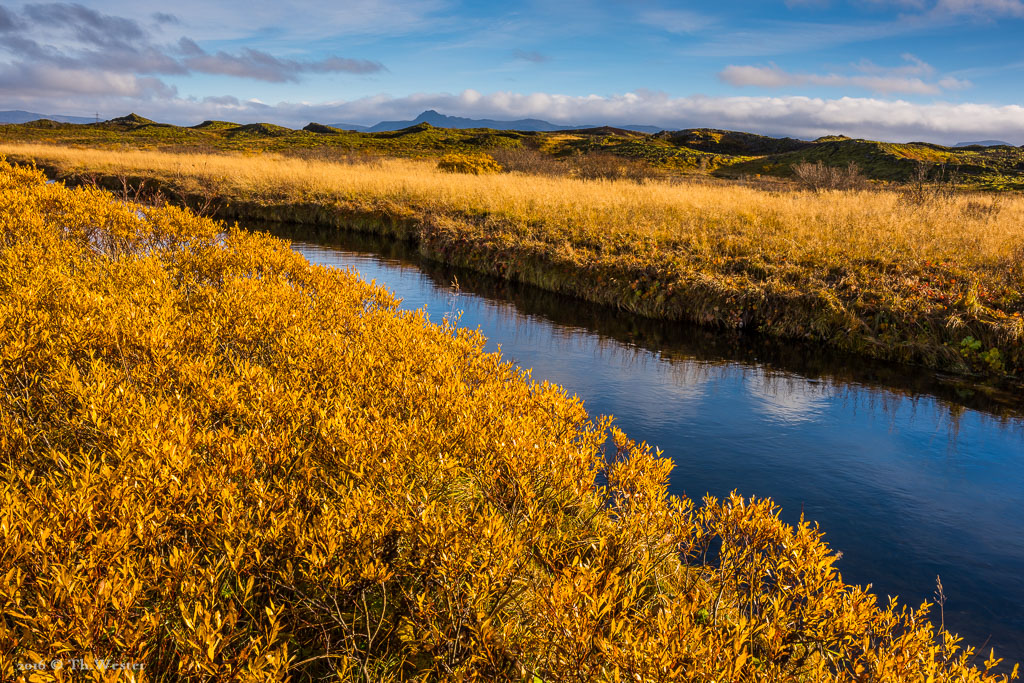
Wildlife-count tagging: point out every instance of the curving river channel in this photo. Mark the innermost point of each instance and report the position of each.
(911, 475)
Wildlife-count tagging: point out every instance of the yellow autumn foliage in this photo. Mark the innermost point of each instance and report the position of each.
(225, 464)
(476, 164)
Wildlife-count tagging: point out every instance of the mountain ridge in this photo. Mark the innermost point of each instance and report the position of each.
(439, 120)
(984, 143)
(22, 116)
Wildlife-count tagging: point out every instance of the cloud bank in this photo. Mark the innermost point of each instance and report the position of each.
(261, 66)
(805, 117)
(914, 77)
(982, 8)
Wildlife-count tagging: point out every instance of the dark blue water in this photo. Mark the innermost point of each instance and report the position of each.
(910, 474)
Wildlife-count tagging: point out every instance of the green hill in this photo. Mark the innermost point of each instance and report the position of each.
(892, 161)
(258, 130)
(321, 128)
(129, 121)
(215, 125)
(731, 143)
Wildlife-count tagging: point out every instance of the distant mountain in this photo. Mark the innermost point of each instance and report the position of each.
(641, 128)
(19, 116)
(983, 143)
(443, 121)
(351, 126)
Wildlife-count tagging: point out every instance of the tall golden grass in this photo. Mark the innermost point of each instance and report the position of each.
(880, 272)
(220, 463)
(968, 229)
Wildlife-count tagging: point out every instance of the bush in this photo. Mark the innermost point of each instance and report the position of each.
(930, 184)
(819, 177)
(587, 166)
(599, 166)
(477, 164)
(226, 464)
(529, 161)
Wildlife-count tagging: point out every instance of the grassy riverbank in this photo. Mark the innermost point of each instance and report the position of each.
(223, 463)
(929, 278)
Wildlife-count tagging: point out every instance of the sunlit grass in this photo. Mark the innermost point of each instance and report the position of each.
(883, 272)
(970, 229)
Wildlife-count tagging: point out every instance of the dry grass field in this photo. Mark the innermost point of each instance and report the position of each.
(920, 275)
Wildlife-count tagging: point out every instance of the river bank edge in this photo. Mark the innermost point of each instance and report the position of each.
(660, 291)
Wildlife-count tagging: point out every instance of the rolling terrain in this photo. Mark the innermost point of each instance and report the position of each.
(721, 153)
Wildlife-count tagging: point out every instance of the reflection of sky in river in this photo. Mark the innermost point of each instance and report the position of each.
(904, 491)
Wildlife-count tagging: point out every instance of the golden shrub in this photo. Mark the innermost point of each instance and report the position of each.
(476, 164)
(226, 464)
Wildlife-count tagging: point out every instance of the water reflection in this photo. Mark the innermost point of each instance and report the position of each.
(910, 473)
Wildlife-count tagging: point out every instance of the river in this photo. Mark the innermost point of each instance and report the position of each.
(911, 474)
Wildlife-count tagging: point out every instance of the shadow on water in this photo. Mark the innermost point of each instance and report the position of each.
(911, 474)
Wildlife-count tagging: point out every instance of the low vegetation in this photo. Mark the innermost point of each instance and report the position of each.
(603, 152)
(895, 274)
(224, 463)
(819, 176)
(468, 163)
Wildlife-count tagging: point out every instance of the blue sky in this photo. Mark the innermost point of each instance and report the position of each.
(942, 70)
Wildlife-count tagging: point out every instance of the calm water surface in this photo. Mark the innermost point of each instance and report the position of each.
(911, 475)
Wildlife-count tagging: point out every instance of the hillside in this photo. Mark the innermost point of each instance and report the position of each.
(989, 166)
(722, 153)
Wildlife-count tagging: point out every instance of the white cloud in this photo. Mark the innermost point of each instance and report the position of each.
(877, 79)
(951, 83)
(982, 8)
(59, 48)
(259, 65)
(302, 19)
(914, 67)
(785, 400)
(43, 80)
(808, 3)
(791, 37)
(676, 21)
(979, 8)
(774, 77)
(759, 76)
(903, 4)
(531, 56)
